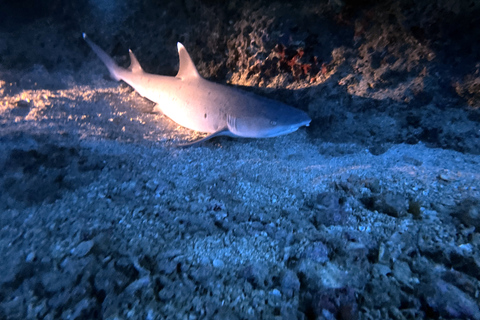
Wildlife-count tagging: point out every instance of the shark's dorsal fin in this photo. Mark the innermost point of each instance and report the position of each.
(134, 64)
(187, 67)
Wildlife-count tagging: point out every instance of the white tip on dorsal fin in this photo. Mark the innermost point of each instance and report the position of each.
(134, 65)
(187, 67)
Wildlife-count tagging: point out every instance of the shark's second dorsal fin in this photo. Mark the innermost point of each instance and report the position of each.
(134, 64)
(187, 67)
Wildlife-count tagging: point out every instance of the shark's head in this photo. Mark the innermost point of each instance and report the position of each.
(284, 121)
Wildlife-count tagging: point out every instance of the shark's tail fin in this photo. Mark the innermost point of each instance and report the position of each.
(115, 70)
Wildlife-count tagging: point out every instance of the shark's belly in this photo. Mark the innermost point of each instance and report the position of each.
(193, 107)
(192, 115)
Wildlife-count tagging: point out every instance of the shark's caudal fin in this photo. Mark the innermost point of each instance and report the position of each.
(187, 67)
(111, 65)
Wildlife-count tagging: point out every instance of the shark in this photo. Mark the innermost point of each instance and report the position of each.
(205, 106)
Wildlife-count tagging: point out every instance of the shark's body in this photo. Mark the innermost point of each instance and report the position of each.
(205, 106)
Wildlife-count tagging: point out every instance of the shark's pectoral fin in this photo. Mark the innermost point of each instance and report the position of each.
(157, 109)
(222, 132)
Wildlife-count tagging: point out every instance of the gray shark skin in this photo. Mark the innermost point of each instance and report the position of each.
(205, 106)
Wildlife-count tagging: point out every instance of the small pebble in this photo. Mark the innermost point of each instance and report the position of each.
(83, 248)
(30, 257)
(276, 292)
(447, 176)
(152, 184)
(217, 263)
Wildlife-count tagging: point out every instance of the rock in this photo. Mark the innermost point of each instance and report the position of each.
(317, 252)
(449, 301)
(329, 210)
(381, 270)
(392, 204)
(256, 274)
(225, 314)
(335, 304)
(55, 281)
(468, 212)
(217, 263)
(402, 272)
(276, 293)
(82, 249)
(137, 285)
(30, 257)
(290, 283)
(13, 308)
(83, 309)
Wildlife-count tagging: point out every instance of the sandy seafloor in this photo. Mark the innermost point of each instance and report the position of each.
(103, 217)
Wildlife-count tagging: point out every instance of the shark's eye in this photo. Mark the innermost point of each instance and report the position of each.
(273, 123)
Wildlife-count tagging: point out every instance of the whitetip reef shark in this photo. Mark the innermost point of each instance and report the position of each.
(205, 106)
